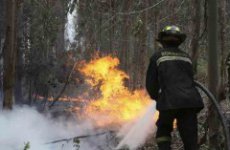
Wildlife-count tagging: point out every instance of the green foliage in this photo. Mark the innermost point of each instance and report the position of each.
(204, 147)
(137, 26)
(27, 146)
(76, 142)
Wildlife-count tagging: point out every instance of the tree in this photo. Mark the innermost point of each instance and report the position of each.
(196, 20)
(9, 52)
(59, 10)
(213, 72)
(223, 48)
(2, 22)
(41, 56)
(21, 44)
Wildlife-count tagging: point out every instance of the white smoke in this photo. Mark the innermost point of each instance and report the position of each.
(23, 125)
(135, 134)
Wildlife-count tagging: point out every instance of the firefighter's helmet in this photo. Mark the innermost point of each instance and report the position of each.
(171, 34)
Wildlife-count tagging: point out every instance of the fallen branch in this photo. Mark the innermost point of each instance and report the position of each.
(79, 137)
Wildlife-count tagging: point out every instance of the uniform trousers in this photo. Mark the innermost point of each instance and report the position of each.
(186, 124)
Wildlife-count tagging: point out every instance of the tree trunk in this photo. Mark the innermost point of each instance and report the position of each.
(125, 32)
(196, 20)
(111, 31)
(141, 49)
(173, 18)
(156, 29)
(213, 76)
(2, 37)
(2, 22)
(223, 52)
(10, 52)
(19, 57)
(59, 11)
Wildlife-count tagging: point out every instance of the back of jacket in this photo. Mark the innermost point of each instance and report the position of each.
(170, 80)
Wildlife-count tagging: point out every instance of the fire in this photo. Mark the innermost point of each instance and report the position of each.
(117, 104)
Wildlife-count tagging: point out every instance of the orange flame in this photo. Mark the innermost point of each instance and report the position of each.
(117, 103)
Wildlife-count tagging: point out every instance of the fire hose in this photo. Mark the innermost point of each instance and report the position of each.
(216, 105)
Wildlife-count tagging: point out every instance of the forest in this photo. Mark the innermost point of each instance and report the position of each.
(73, 72)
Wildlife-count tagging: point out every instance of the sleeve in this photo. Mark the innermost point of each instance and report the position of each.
(152, 84)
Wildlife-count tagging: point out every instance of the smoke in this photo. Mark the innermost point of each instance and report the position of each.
(135, 134)
(24, 124)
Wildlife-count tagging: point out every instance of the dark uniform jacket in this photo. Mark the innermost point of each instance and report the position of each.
(170, 81)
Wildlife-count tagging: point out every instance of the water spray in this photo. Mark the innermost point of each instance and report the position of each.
(142, 128)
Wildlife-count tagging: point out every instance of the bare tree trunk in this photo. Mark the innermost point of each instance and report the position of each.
(2, 37)
(10, 52)
(143, 46)
(19, 57)
(111, 31)
(223, 52)
(125, 37)
(196, 20)
(2, 22)
(212, 47)
(213, 72)
(60, 14)
(173, 18)
(156, 29)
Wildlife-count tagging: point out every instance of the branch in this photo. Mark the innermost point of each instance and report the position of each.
(182, 2)
(140, 11)
(79, 137)
(205, 19)
(63, 89)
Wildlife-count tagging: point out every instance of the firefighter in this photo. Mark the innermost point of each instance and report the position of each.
(170, 82)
